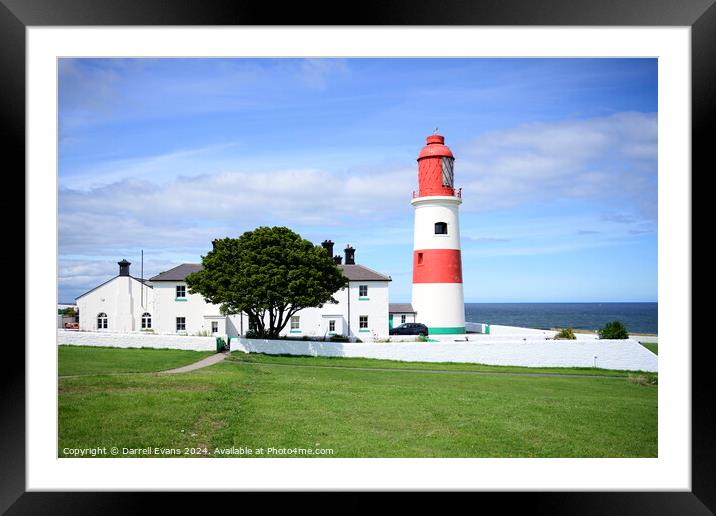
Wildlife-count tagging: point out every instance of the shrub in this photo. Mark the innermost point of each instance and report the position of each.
(221, 344)
(644, 379)
(613, 330)
(421, 338)
(339, 338)
(251, 334)
(566, 333)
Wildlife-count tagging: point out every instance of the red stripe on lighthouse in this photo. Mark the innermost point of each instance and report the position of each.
(437, 266)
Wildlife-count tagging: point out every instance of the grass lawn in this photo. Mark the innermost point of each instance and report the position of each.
(651, 346)
(82, 360)
(354, 412)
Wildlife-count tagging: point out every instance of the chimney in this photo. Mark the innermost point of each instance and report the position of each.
(350, 255)
(124, 267)
(213, 243)
(328, 246)
(337, 259)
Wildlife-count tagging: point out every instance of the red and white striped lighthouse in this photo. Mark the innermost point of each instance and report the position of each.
(437, 265)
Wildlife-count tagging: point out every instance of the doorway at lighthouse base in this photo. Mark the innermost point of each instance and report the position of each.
(445, 331)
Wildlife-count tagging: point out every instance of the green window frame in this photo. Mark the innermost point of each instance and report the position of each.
(181, 292)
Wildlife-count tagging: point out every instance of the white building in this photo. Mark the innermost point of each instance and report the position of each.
(401, 313)
(164, 305)
(118, 304)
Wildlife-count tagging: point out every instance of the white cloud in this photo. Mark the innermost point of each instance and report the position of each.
(600, 158)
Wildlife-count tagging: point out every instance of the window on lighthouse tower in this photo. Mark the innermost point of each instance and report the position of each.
(441, 228)
(447, 171)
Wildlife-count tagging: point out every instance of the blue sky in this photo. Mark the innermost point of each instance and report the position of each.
(557, 159)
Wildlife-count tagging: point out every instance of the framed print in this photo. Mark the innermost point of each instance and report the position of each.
(492, 324)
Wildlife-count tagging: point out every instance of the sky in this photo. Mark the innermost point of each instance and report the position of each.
(556, 158)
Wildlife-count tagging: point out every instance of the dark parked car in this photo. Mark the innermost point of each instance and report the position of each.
(410, 328)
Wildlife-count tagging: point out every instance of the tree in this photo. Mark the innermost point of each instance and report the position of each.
(67, 312)
(268, 273)
(613, 330)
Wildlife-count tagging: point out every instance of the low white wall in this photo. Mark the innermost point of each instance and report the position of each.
(611, 354)
(135, 340)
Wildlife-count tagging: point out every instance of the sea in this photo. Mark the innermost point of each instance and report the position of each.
(637, 317)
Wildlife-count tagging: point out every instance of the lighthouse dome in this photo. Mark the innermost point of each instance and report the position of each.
(435, 148)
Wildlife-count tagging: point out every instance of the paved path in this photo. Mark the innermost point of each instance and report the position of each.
(211, 360)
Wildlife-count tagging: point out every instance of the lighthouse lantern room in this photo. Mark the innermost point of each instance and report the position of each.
(437, 264)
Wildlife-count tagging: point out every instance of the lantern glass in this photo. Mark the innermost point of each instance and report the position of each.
(447, 172)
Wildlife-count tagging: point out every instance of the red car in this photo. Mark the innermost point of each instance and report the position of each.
(72, 326)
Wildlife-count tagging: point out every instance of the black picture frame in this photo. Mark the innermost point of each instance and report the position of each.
(700, 15)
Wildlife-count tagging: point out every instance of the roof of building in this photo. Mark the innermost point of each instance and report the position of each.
(178, 273)
(404, 308)
(110, 279)
(362, 273)
(352, 272)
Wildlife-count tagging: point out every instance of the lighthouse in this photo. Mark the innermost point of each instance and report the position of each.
(437, 265)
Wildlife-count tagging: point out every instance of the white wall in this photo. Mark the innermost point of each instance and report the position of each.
(61, 320)
(376, 308)
(397, 318)
(135, 340)
(611, 354)
(196, 311)
(120, 298)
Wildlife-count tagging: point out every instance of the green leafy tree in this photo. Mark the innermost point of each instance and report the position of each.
(268, 273)
(613, 330)
(67, 312)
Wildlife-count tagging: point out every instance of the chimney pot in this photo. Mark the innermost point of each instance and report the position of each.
(337, 259)
(328, 246)
(124, 267)
(350, 255)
